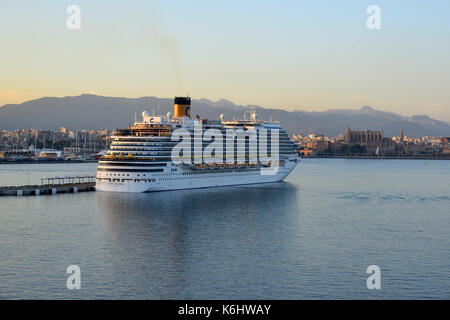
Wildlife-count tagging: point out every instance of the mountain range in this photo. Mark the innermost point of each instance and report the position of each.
(99, 112)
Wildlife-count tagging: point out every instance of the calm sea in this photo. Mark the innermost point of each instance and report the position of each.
(312, 236)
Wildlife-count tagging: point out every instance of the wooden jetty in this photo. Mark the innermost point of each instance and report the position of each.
(69, 184)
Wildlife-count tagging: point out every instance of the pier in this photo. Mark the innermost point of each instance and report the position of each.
(54, 185)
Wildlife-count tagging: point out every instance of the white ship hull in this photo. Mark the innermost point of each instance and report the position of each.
(188, 179)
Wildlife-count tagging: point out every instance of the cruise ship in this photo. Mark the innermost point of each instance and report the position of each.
(176, 151)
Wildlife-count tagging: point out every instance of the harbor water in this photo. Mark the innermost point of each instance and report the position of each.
(310, 237)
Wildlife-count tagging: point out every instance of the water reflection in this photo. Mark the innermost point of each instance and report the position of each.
(186, 237)
(196, 200)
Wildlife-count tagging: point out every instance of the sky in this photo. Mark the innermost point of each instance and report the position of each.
(292, 55)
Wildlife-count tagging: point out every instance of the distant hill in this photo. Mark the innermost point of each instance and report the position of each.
(97, 112)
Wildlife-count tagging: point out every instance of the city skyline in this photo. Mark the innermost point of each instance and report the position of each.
(293, 56)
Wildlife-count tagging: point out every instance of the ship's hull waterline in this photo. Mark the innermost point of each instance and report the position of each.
(190, 180)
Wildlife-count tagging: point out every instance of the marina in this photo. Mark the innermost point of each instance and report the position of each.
(51, 186)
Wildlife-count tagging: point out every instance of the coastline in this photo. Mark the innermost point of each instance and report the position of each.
(309, 157)
(377, 157)
(48, 161)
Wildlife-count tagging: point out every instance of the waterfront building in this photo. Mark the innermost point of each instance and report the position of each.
(366, 137)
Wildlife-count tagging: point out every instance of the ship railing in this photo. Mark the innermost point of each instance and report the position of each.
(67, 180)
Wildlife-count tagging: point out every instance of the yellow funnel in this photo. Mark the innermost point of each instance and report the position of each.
(182, 107)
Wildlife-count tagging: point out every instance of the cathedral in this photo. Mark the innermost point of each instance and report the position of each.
(366, 137)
